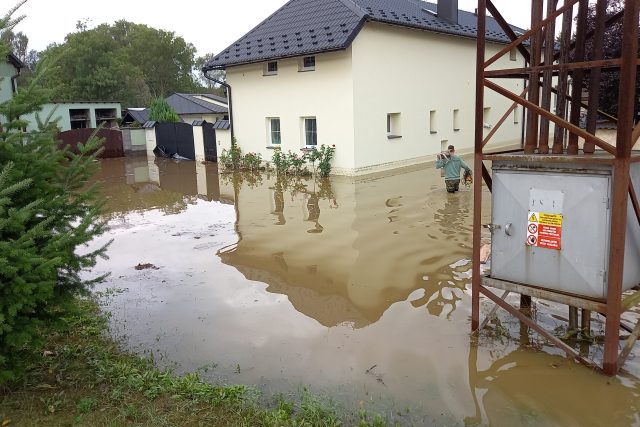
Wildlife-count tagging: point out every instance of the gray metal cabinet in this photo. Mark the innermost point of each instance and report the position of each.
(577, 198)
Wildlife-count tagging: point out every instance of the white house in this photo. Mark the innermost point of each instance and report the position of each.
(389, 83)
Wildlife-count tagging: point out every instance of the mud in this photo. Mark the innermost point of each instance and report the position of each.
(359, 289)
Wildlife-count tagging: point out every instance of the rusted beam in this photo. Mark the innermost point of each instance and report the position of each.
(621, 177)
(507, 29)
(539, 329)
(569, 126)
(609, 22)
(563, 82)
(585, 105)
(595, 74)
(520, 72)
(531, 138)
(476, 279)
(502, 120)
(547, 78)
(534, 29)
(493, 311)
(487, 178)
(536, 292)
(629, 345)
(578, 75)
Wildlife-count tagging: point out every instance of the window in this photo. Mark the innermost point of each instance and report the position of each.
(394, 129)
(271, 68)
(308, 63)
(79, 118)
(310, 132)
(432, 122)
(273, 125)
(513, 54)
(456, 119)
(516, 115)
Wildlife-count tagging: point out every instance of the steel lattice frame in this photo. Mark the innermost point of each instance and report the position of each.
(546, 62)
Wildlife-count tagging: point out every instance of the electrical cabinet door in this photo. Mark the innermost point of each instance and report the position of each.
(579, 264)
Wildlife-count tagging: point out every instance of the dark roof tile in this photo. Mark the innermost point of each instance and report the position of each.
(327, 25)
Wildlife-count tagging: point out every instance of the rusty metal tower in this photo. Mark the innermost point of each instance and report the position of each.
(531, 249)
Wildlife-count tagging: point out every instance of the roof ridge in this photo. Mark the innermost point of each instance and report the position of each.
(355, 8)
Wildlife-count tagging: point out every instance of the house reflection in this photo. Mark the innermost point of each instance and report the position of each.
(353, 263)
(139, 184)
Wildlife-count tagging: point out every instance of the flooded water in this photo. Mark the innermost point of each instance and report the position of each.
(358, 289)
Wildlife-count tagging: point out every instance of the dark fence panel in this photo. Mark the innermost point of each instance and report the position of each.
(113, 145)
(176, 138)
(210, 146)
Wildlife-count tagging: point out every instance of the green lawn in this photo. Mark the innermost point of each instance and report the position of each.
(82, 378)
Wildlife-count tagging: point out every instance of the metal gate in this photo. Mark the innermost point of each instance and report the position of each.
(210, 147)
(176, 138)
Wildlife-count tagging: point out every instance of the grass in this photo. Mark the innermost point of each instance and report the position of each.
(83, 378)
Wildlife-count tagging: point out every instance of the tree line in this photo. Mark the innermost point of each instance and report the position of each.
(124, 61)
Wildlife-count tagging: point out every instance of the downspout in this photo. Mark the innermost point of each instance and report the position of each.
(229, 101)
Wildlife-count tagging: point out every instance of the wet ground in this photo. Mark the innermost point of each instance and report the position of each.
(358, 289)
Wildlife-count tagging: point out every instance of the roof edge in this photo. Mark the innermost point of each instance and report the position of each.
(13, 59)
(206, 67)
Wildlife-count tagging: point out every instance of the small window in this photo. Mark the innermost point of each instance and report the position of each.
(308, 63)
(516, 115)
(513, 54)
(394, 129)
(310, 132)
(432, 122)
(275, 137)
(456, 120)
(486, 118)
(271, 68)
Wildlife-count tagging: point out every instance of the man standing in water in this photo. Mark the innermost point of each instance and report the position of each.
(451, 164)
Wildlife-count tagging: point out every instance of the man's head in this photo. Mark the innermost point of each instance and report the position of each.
(451, 149)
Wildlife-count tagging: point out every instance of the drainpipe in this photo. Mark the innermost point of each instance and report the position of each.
(229, 100)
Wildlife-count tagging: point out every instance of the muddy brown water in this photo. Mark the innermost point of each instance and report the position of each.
(355, 289)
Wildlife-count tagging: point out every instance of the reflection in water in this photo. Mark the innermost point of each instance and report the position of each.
(360, 267)
(315, 282)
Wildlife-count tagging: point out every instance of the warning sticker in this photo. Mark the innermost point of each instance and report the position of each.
(544, 230)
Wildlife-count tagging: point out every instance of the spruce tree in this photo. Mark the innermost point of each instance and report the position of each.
(48, 213)
(161, 111)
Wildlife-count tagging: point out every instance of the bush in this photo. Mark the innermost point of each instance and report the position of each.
(161, 111)
(47, 213)
(252, 161)
(290, 163)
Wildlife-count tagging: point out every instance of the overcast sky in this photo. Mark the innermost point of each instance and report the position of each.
(210, 25)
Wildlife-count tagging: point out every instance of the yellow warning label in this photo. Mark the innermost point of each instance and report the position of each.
(533, 218)
(551, 219)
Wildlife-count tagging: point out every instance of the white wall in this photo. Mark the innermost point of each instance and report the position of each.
(411, 72)
(388, 69)
(326, 93)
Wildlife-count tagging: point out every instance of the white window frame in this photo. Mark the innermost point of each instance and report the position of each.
(270, 131)
(304, 131)
(267, 72)
(301, 64)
